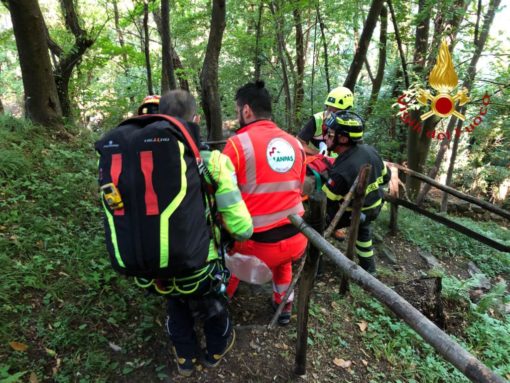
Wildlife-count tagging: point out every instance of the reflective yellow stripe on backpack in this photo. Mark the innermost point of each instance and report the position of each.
(170, 209)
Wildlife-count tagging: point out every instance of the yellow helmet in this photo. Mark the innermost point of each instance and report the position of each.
(340, 98)
(150, 105)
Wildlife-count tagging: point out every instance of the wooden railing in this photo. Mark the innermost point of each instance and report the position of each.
(451, 351)
(394, 198)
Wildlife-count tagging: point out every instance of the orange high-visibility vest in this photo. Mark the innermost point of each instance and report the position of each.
(270, 171)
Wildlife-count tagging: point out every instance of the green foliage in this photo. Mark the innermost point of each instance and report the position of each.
(5, 377)
(412, 360)
(59, 294)
(51, 250)
(444, 242)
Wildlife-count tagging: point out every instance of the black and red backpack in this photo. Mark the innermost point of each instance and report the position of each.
(153, 198)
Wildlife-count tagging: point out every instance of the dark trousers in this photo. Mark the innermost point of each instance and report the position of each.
(364, 246)
(208, 307)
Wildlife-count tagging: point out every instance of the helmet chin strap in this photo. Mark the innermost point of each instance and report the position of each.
(337, 144)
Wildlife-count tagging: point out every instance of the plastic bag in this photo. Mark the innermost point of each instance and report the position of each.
(248, 268)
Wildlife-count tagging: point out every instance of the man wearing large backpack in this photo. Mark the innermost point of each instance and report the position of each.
(210, 305)
(269, 164)
(162, 198)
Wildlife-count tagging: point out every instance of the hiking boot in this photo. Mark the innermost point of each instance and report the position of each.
(284, 317)
(185, 366)
(340, 235)
(211, 361)
(368, 264)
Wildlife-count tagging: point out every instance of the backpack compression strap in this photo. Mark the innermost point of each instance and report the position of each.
(185, 133)
(178, 124)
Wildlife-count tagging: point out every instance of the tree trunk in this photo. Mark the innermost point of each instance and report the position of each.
(209, 74)
(325, 46)
(120, 35)
(1, 107)
(167, 67)
(176, 61)
(42, 104)
(364, 42)
(258, 60)
(468, 82)
(68, 60)
(150, 88)
(399, 44)
(376, 87)
(183, 81)
(300, 65)
(418, 143)
(449, 176)
(281, 55)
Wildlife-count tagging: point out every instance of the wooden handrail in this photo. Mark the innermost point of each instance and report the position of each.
(466, 197)
(447, 222)
(450, 350)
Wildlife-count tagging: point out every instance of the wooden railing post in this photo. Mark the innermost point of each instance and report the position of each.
(394, 193)
(357, 204)
(317, 201)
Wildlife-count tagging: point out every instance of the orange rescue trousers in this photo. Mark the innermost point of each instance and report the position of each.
(278, 257)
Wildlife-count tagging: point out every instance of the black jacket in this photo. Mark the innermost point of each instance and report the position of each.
(346, 169)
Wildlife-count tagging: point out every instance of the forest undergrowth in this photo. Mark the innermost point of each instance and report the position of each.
(68, 317)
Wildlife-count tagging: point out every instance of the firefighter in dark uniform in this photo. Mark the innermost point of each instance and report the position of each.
(344, 136)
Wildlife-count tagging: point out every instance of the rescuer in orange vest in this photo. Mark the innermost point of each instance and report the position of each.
(270, 169)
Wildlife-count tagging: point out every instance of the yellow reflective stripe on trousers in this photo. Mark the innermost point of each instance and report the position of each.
(364, 254)
(113, 233)
(364, 244)
(165, 215)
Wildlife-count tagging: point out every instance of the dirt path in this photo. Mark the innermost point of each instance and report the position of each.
(262, 355)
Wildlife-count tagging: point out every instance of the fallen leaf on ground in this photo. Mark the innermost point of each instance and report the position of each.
(342, 363)
(362, 326)
(33, 378)
(114, 347)
(365, 363)
(281, 346)
(17, 346)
